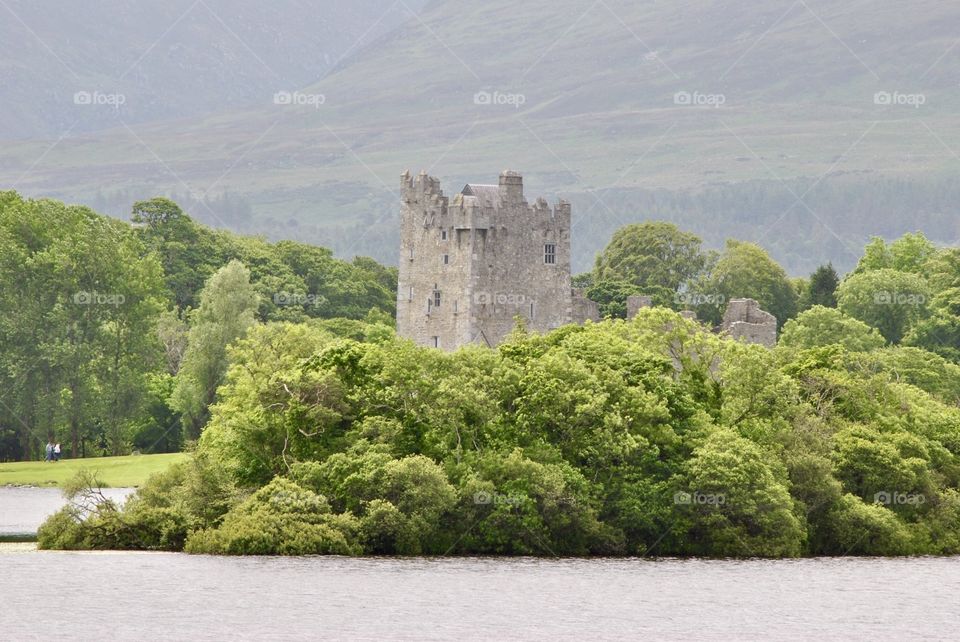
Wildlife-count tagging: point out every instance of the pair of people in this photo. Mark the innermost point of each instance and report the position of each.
(53, 451)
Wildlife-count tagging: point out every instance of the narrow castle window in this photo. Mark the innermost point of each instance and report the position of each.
(443, 235)
(550, 253)
(436, 342)
(456, 305)
(446, 259)
(411, 253)
(436, 297)
(531, 310)
(410, 294)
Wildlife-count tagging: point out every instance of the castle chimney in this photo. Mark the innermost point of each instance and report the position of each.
(511, 186)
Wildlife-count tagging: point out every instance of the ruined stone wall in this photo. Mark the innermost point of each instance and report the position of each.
(745, 320)
(583, 308)
(636, 302)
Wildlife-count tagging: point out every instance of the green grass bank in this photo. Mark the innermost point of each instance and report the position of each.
(129, 470)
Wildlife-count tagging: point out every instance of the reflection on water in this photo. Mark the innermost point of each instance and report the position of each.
(22, 510)
(176, 596)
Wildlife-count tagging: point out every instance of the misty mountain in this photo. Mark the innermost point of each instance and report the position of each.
(806, 126)
(143, 61)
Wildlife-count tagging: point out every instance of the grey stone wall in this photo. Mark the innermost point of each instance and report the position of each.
(485, 252)
(745, 320)
(583, 308)
(636, 302)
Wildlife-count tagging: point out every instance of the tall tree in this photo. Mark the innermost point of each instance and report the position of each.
(189, 252)
(653, 258)
(822, 288)
(76, 324)
(228, 307)
(886, 299)
(745, 270)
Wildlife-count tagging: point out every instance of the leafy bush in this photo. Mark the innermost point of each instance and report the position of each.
(281, 518)
(648, 436)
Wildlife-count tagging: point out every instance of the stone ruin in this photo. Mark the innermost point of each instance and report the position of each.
(636, 302)
(745, 320)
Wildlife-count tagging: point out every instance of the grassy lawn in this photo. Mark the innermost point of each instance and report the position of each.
(131, 470)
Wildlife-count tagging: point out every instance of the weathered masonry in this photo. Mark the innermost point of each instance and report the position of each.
(472, 265)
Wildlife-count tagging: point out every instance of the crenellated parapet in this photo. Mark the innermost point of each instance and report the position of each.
(422, 188)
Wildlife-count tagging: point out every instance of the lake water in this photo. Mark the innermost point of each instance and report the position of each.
(169, 596)
(161, 596)
(22, 510)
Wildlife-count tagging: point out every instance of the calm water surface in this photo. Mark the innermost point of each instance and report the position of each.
(157, 596)
(166, 596)
(22, 510)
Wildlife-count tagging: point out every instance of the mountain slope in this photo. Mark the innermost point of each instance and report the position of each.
(585, 97)
(168, 59)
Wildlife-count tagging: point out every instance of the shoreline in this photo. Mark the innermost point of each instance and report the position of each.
(18, 538)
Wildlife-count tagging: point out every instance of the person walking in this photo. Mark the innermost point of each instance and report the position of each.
(56, 451)
(49, 450)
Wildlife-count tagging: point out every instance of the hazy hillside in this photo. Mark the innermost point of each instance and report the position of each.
(167, 59)
(595, 101)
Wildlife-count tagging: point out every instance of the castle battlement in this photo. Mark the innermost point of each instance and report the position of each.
(420, 186)
(472, 264)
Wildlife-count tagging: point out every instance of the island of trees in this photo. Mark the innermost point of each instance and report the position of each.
(314, 429)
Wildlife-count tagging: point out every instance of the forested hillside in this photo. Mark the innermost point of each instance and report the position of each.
(800, 126)
(168, 60)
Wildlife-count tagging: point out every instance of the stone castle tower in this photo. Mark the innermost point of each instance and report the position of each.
(470, 265)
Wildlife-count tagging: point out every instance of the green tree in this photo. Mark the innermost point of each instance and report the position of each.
(745, 270)
(909, 253)
(940, 333)
(228, 305)
(821, 290)
(822, 326)
(188, 252)
(79, 300)
(654, 254)
(886, 299)
(735, 503)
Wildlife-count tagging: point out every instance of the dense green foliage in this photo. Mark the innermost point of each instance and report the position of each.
(641, 437)
(746, 270)
(318, 431)
(653, 258)
(227, 309)
(822, 288)
(669, 265)
(96, 316)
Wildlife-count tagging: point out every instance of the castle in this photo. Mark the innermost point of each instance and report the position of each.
(473, 265)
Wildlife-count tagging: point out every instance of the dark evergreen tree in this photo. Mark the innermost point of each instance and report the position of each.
(823, 287)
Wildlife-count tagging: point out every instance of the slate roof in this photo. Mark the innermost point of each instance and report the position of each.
(486, 195)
